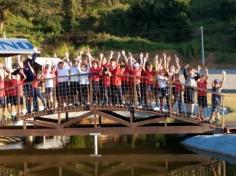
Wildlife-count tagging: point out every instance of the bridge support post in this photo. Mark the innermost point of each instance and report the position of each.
(100, 120)
(59, 120)
(132, 116)
(95, 135)
(24, 124)
(67, 116)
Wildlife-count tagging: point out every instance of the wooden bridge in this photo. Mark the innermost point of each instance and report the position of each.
(60, 163)
(128, 117)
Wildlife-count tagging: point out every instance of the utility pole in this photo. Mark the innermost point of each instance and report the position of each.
(202, 47)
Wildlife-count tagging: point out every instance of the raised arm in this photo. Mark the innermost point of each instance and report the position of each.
(124, 55)
(168, 59)
(165, 60)
(185, 71)
(223, 78)
(177, 64)
(111, 56)
(145, 61)
(31, 68)
(67, 59)
(118, 57)
(22, 74)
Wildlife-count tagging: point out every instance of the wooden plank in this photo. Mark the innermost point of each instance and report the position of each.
(42, 124)
(109, 131)
(41, 157)
(76, 119)
(112, 117)
(147, 121)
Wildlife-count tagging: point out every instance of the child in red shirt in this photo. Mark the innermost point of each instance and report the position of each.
(95, 77)
(149, 75)
(20, 78)
(125, 80)
(37, 93)
(202, 94)
(136, 72)
(116, 90)
(106, 86)
(8, 92)
(178, 88)
(2, 96)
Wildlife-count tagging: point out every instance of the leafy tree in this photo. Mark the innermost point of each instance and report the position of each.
(228, 8)
(70, 11)
(5, 7)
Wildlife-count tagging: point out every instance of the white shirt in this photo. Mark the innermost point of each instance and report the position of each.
(48, 75)
(162, 80)
(63, 74)
(84, 76)
(74, 71)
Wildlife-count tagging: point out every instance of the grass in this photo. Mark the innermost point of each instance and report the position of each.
(230, 102)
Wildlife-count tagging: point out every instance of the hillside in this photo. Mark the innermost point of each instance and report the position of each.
(134, 25)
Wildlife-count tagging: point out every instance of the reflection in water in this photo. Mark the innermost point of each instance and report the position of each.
(109, 166)
(121, 156)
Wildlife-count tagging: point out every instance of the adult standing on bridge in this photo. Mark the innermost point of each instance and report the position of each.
(29, 72)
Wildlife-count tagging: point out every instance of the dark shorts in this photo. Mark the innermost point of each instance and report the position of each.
(189, 95)
(178, 96)
(48, 90)
(28, 90)
(216, 103)
(2, 102)
(125, 87)
(63, 89)
(163, 92)
(202, 101)
(13, 100)
(149, 88)
(74, 88)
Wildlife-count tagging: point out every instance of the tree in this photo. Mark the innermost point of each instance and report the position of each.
(5, 6)
(70, 10)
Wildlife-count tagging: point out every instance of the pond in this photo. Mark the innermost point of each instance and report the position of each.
(119, 156)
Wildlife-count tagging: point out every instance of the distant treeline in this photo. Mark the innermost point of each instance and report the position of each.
(78, 21)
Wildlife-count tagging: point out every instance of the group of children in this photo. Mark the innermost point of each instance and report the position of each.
(119, 80)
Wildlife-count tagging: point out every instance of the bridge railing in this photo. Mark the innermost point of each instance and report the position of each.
(86, 92)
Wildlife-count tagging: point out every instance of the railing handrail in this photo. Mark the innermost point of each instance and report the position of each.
(208, 91)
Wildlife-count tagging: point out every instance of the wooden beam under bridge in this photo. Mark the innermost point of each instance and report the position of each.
(109, 131)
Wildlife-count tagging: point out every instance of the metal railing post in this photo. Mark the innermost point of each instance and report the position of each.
(135, 93)
(223, 119)
(91, 94)
(18, 102)
(54, 93)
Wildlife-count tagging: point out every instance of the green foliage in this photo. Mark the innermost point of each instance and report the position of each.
(156, 20)
(225, 57)
(80, 142)
(148, 25)
(228, 8)
(133, 44)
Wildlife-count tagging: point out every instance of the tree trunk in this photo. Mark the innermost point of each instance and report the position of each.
(1, 27)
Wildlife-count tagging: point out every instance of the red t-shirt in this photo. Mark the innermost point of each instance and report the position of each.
(126, 75)
(106, 79)
(8, 85)
(149, 77)
(137, 75)
(35, 83)
(116, 75)
(2, 92)
(178, 86)
(95, 73)
(202, 88)
(14, 85)
(20, 84)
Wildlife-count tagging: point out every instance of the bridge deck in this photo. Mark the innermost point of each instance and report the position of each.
(142, 112)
